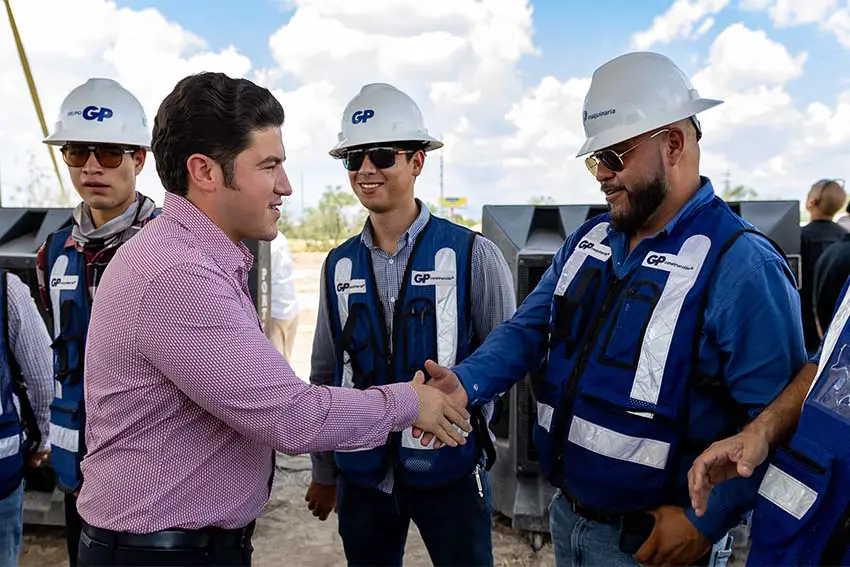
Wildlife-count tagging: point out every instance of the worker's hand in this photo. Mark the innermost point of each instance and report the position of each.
(321, 499)
(673, 541)
(447, 382)
(438, 412)
(35, 459)
(728, 458)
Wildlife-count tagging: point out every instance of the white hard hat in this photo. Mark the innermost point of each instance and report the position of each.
(101, 111)
(633, 94)
(380, 113)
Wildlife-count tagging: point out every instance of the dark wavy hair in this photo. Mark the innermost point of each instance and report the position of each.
(210, 114)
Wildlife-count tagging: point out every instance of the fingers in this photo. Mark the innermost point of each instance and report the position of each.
(418, 378)
(750, 458)
(435, 370)
(459, 418)
(700, 485)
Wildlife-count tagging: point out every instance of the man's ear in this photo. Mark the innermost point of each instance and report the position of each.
(418, 162)
(203, 172)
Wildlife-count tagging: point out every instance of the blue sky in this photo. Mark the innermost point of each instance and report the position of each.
(503, 89)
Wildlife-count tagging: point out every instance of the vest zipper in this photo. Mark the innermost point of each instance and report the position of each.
(559, 431)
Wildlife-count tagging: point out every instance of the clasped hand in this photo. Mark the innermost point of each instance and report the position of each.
(447, 383)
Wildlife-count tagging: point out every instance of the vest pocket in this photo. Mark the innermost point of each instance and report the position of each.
(573, 310)
(419, 333)
(605, 443)
(624, 337)
(68, 346)
(359, 340)
(790, 494)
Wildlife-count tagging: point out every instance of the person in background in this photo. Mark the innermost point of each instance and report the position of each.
(26, 390)
(283, 323)
(103, 135)
(831, 272)
(826, 197)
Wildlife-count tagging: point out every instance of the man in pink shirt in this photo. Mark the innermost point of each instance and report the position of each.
(187, 400)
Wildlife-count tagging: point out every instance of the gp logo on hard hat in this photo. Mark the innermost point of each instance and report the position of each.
(99, 113)
(362, 116)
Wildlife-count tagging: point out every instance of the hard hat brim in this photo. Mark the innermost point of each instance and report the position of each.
(614, 136)
(430, 144)
(58, 141)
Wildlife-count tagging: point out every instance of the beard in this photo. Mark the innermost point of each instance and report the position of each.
(644, 200)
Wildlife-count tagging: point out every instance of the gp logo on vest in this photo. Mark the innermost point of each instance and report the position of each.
(362, 116)
(584, 244)
(421, 278)
(667, 262)
(354, 286)
(655, 259)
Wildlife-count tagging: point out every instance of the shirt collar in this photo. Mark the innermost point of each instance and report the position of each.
(368, 240)
(213, 240)
(703, 196)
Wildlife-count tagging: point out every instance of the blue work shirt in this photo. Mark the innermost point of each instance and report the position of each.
(752, 340)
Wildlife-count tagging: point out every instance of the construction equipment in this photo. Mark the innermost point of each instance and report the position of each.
(528, 237)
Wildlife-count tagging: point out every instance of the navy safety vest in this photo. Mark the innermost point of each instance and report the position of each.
(431, 321)
(613, 428)
(11, 430)
(802, 514)
(70, 302)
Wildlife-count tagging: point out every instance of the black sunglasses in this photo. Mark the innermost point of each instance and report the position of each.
(381, 157)
(110, 157)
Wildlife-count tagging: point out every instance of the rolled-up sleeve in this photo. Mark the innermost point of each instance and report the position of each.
(213, 349)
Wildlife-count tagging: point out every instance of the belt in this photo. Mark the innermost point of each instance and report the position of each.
(173, 539)
(594, 514)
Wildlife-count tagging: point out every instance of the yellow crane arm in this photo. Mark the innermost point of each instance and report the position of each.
(33, 92)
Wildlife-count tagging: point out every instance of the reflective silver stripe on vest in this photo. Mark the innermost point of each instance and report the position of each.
(59, 281)
(589, 245)
(545, 413)
(684, 269)
(10, 446)
(831, 339)
(344, 286)
(787, 492)
(64, 438)
(610, 443)
(444, 280)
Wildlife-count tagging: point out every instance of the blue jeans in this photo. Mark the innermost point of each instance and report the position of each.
(11, 527)
(578, 542)
(455, 523)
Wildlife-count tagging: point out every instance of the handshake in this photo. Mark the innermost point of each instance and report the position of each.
(442, 407)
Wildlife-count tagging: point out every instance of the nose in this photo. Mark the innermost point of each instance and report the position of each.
(92, 165)
(367, 167)
(603, 173)
(282, 185)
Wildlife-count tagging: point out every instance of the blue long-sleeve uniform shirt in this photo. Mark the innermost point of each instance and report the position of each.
(752, 340)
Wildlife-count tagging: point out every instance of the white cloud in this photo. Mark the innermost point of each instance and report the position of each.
(792, 12)
(140, 49)
(507, 139)
(749, 71)
(678, 22)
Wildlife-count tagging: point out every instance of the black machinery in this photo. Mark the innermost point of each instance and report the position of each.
(528, 237)
(22, 232)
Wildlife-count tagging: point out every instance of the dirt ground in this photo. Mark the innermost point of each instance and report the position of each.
(287, 533)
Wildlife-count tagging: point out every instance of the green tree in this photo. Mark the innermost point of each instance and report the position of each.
(337, 216)
(541, 200)
(738, 193)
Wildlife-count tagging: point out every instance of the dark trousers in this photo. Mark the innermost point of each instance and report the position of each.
(455, 523)
(212, 547)
(73, 525)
